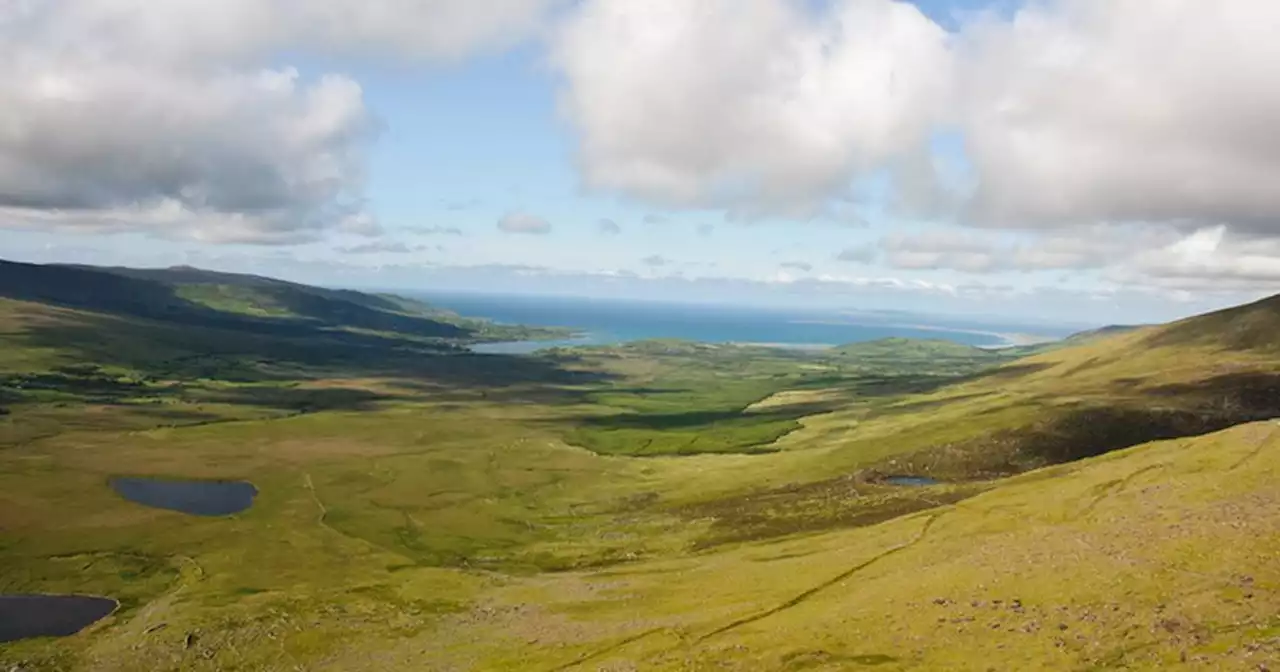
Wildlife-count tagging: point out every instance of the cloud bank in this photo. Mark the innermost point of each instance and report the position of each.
(751, 105)
(162, 117)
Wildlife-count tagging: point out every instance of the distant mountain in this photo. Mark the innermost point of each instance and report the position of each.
(190, 296)
(1101, 332)
(1253, 327)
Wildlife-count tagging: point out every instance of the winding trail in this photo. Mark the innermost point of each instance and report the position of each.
(1262, 445)
(794, 601)
(806, 595)
(311, 488)
(1115, 487)
(588, 657)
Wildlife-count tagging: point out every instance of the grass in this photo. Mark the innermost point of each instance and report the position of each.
(656, 506)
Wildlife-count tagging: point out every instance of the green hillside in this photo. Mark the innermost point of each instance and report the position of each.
(244, 303)
(1107, 504)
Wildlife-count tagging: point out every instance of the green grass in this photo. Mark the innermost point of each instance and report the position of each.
(656, 506)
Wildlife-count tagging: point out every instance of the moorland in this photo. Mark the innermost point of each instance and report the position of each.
(1106, 502)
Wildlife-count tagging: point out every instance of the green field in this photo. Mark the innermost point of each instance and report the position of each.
(1108, 504)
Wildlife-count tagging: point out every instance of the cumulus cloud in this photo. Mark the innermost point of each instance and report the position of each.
(751, 105)
(655, 260)
(608, 227)
(160, 117)
(1210, 259)
(237, 30)
(1091, 119)
(523, 222)
(262, 150)
(1088, 111)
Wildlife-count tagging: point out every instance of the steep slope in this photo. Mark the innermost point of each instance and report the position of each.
(1157, 557)
(1253, 328)
(1194, 376)
(247, 303)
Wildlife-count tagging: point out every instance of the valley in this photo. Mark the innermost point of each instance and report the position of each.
(1107, 502)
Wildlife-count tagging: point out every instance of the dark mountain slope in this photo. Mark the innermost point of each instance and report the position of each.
(179, 296)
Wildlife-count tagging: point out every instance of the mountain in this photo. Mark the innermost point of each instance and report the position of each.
(1100, 332)
(246, 303)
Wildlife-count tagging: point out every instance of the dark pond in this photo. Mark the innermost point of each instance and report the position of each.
(200, 498)
(912, 481)
(23, 616)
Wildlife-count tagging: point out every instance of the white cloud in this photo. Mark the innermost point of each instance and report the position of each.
(262, 150)
(523, 222)
(1085, 111)
(161, 117)
(1208, 260)
(382, 247)
(752, 105)
(953, 249)
(238, 30)
(984, 252)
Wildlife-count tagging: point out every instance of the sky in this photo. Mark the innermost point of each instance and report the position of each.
(1072, 161)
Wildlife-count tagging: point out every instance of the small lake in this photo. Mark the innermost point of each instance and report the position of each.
(25, 616)
(198, 498)
(912, 481)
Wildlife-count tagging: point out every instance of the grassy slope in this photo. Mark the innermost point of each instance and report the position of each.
(199, 298)
(1143, 556)
(433, 523)
(1145, 559)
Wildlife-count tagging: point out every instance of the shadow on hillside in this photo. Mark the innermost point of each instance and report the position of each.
(835, 503)
(165, 352)
(1251, 391)
(135, 296)
(657, 422)
(297, 399)
(1007, 372)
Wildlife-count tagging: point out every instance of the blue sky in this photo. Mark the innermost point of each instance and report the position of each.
(489, 166)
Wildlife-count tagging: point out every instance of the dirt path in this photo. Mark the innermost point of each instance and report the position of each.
(806, 595)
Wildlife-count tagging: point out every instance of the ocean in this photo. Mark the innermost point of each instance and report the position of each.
(611, 321)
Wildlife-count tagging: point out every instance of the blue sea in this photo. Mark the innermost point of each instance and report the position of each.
(611, 321)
